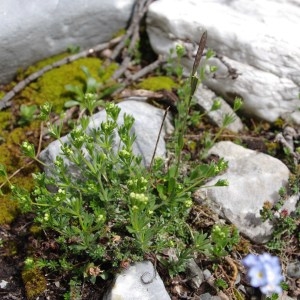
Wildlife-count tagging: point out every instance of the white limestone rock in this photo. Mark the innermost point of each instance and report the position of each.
(139, 281)
(290, 204)
(255, 37)
(146, 127)
(38, 29)
(293, 269)
(205, 98)
(254, 178)
(208, 296)
(194, 273)
(3, 284)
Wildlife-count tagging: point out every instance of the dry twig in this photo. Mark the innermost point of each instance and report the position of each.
(132, 34)
(146, 70)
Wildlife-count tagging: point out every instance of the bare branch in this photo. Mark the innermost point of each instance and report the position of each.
(132, 34)
(141, 74)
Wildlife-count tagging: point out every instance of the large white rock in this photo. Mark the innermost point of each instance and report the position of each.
(139, 282)
(254, 178)
(36, 29)
(258, 38)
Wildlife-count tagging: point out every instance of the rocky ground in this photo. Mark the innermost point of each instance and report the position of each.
(18, 240)
(17, 236)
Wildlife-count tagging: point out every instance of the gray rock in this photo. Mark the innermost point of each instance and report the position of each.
(205, 98)
(40, 29)
(3, 284)
(286, 297)
(194, 273)
(208, 296)
(147, 124)
(293, 269)
(290, 203)
(139, 282)
(254, 37)
(254, 178)
(207, 274)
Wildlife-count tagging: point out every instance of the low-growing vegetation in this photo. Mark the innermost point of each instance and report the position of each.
(86, 228)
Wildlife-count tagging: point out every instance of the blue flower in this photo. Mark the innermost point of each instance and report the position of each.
(264, 272)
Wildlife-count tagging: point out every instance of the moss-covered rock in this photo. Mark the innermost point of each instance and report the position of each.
(158, 83)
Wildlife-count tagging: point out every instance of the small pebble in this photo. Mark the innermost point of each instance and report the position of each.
(3, 284)
(293, 269)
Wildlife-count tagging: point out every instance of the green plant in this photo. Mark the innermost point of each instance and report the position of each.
(73, 49)
(186, 92)
(285, 224)
(223, 238)
(75, 290)
(273, 297)
(113, 209)
(221, 284)
(229, 117)
(176, 260)
(90, 88)
(29, 263)
(174, 66)
(90, 95)
(27, 114)
(113, 200)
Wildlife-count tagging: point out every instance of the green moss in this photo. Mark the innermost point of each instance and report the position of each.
(119, 33)
(8, 209)
(157, 83)
(35, 229)
(41, 64)
(35, 282)
(17, 136)
(5, 120)
(9, 158)
(24, 178)
(272, 147)
(34, 126)
(279, 123)
(51, 86)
